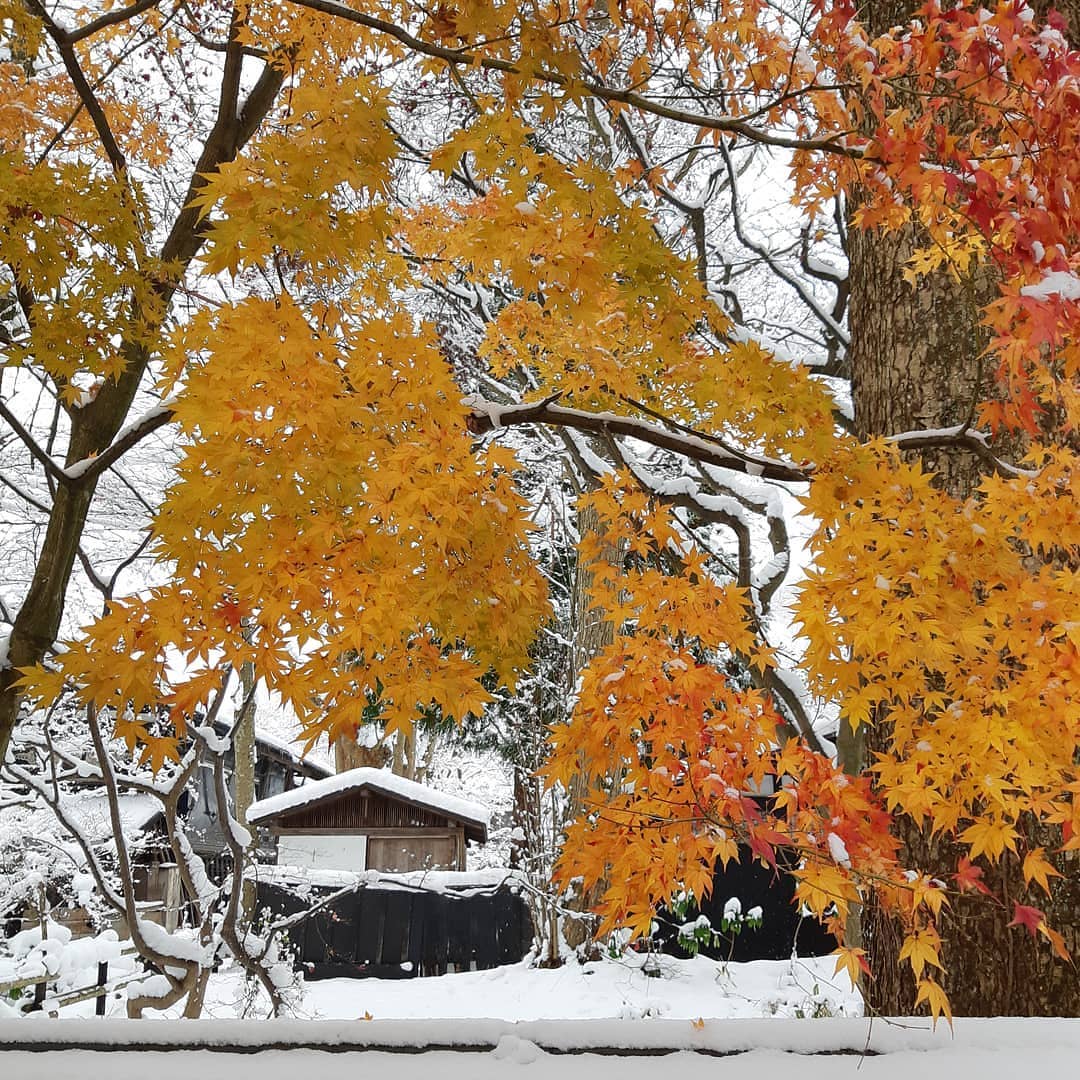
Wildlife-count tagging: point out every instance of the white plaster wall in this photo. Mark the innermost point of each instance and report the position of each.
(322, 852)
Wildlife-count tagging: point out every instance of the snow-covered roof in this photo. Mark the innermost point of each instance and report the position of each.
(287, 748)
(381, 780)
(90, 813)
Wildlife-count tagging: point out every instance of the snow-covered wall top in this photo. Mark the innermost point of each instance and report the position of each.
(301, 879)
(381, 780)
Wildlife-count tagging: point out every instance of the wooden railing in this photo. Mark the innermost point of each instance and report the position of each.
(100, 990)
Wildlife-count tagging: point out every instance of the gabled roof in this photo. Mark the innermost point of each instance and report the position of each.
(382, 781)
(267, 742)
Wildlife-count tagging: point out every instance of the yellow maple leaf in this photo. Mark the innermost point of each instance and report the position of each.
(1036, 868)
(934, 996)
(853, 961)
(921, 948)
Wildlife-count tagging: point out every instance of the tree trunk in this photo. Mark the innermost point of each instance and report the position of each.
(350, 754)
(916, 363)
(94, 427)
(37, 623)
(593, 632)
(244, 769)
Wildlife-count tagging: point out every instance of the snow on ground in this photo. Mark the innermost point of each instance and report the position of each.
(762, 1050)
(605, 989)
(540, 1025)
(618, 989)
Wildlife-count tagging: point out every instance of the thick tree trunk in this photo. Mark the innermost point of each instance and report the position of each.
(38, 620)
(350, 754)
(95, 426)
(915, 360)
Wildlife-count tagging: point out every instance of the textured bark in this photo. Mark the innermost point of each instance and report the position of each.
(349, 754)
(38, 620)
(915, 358)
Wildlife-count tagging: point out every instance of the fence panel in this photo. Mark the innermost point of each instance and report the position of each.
(399, 933)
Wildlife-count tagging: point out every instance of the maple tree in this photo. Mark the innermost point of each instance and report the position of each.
(334, 522)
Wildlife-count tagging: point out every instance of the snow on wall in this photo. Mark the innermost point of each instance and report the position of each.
(852, 1036)
(381, 780)
(440, 881)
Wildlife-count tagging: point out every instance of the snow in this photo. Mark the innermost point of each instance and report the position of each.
(180, 945)
(1054, 283)
(489, 1024)
(752, 1050)
(439, 881)
(585, 996)
(381, 780)
(73, 962)
(89, 811)
(838, 850)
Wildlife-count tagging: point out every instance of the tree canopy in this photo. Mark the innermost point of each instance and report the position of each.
(231, 218)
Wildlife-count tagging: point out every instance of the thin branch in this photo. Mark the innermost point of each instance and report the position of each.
(123, 859)
(466, 58)
(66, 48)
(831, 325)
(24, 495)
(53, 470)
(112, 18)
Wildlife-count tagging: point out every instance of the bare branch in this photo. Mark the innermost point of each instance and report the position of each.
(53, 470)
(111, 18)
(66, 48)
(832, 327)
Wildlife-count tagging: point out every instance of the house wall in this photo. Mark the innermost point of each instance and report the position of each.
(326, 851)
(399, 852)
(363, 811)
(389, 850)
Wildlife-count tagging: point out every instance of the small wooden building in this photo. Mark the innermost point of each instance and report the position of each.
(370, 819)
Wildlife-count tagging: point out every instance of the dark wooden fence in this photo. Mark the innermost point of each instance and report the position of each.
(393, 932)
(400, 933)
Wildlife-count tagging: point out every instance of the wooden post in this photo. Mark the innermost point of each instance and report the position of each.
(170, 895)
(102, 979)
(43, 922)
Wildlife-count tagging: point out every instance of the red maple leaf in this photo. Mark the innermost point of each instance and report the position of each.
(762, 849)
(232, 614)
(1030, 917)
(969, 876)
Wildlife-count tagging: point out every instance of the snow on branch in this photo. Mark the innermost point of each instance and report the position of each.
(485, 416)
(961, 437)
(150, 421)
